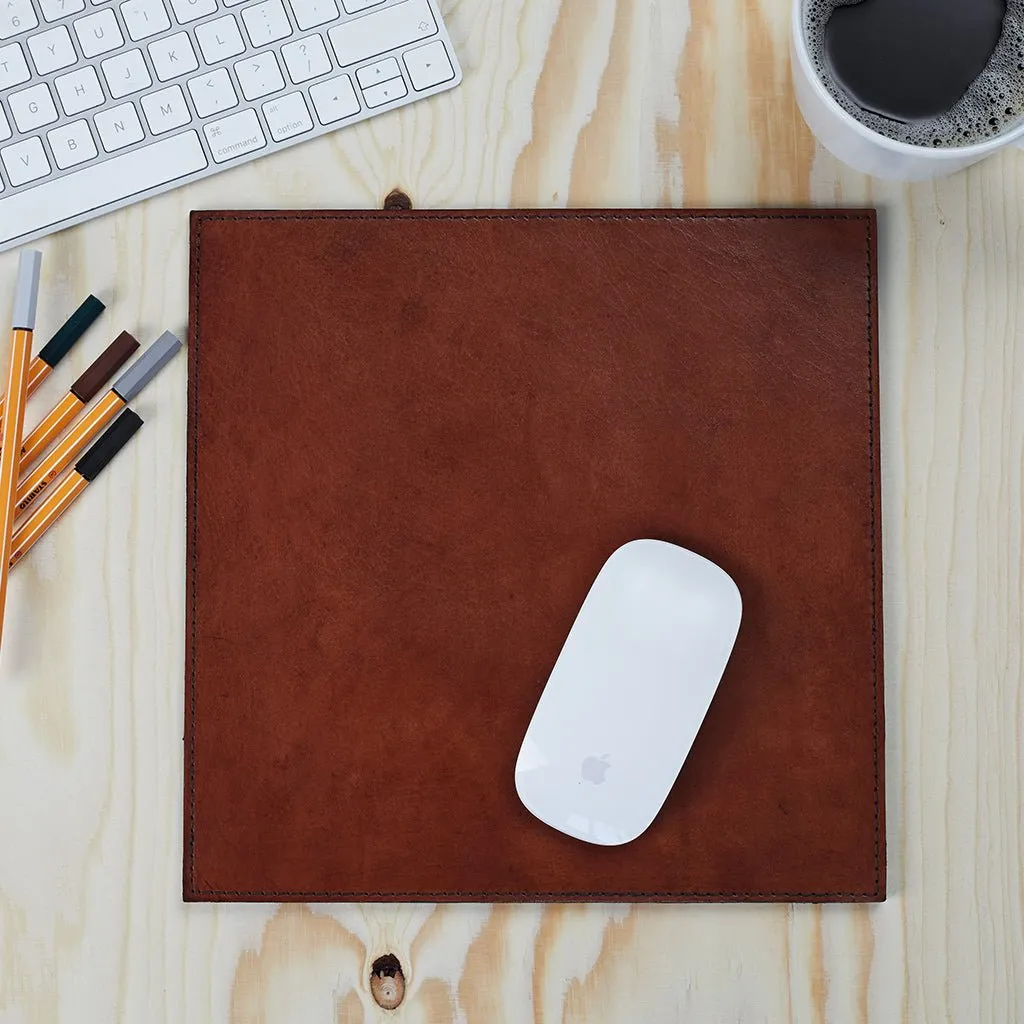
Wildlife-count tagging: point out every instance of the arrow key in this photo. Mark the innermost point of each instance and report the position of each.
(382, 71)
(334, 100)
(386, 92)
(428, 66)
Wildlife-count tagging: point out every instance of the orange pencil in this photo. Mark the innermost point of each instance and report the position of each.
(125, 388)
(82, 392)
(66, 493)
(23, 324)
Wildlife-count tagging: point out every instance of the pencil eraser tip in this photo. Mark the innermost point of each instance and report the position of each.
(147, 366)
(71, 331)
(27, 292)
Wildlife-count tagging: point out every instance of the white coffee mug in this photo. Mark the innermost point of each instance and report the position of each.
(860, 147)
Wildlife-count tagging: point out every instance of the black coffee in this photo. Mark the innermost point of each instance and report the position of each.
(926, 72)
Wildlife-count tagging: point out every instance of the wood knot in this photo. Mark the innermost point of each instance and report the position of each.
(396, 199)
(387, 982)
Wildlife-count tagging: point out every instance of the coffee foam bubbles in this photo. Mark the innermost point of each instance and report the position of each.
(993, 103)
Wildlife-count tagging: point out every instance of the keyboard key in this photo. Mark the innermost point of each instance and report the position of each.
(310, 13)
(79, 90)
(429, 65)
(90, 188)
(266, 22)
(16, 16)
(212, 93)
(173, 56)
(386, 92)
(52, 50)
(55, 9)
(234, 136)
(126, 73)
(355, 6)
(376, 33)
(71, 144)
(306, 59)
(119, 127)
(144, 18)
(220, 39)
(191, 10)
(382, 71)
(98, 33)
(5, 128)
(13, 67)
(259, 76)
(25, 161)
(334, 100)
(287, 117)
(33, 108)
(166, 110)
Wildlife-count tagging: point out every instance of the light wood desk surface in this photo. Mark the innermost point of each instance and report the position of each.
(565, 102)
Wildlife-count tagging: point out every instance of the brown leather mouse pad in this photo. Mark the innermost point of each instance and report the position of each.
(413, 440)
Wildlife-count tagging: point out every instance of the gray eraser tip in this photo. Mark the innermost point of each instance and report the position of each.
(147, 366)
(27, 292)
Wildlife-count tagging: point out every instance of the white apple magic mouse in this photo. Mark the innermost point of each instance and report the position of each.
(628, 693)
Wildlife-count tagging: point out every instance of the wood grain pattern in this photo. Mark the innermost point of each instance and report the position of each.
(604, 102)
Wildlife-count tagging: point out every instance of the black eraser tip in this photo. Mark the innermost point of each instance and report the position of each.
(111, 441)
(76, 325)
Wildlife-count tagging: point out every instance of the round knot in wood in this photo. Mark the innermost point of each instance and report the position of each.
(387, 982)
(396, 199)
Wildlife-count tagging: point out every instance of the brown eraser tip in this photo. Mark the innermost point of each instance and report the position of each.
(113, 357)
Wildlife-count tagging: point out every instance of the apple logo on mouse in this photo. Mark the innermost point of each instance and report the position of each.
(594, 769)
(909, 60)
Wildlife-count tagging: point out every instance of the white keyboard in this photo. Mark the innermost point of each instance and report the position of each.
(104, 103)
